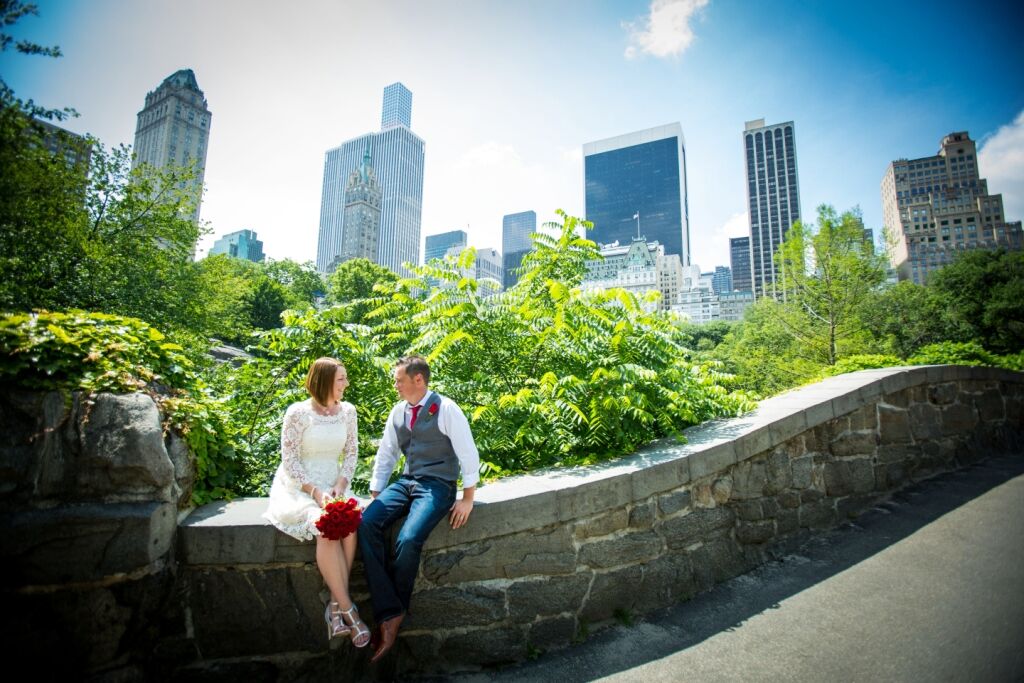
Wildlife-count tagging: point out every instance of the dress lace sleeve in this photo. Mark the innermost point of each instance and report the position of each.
(348, 465)
(291, 439)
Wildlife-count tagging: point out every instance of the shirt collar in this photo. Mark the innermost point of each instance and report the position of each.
(423, 400)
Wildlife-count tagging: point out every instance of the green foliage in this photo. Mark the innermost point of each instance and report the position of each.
(302, 282)
(862, 362)
(547, 374)
(907, 316)
(352, 285)
(984, 292)
(954, 353)
(97, 352)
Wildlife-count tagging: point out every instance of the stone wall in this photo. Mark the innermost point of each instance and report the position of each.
(549, 556)
(89, 498)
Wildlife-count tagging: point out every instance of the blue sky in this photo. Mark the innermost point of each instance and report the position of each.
(506, 93)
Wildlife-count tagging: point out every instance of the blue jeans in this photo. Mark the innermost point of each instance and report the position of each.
(425, 501)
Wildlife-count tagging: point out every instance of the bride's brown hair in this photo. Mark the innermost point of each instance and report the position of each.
(320, 379)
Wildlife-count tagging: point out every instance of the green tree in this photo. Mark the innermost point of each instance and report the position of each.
(302, 281)
(908, 316)
(352, 285)
(827, 277)
(984, 292)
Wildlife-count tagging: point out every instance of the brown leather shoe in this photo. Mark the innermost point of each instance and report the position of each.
(388, 635)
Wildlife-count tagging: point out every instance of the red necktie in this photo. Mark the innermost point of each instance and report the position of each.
(415, 412)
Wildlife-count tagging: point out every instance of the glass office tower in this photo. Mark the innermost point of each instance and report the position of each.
(397, 155)
(739, 255)
(437, 245)
(516, 229)
(641, 174)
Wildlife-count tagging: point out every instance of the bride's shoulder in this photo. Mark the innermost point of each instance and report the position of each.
(299, 408)
(348, 408)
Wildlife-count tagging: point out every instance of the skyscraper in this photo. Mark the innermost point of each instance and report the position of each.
(239, 244)
(937, 207)
(397, 155)
(722, 280)
(516, 229)
(173, 128)
(739, 255)
(641, 177)
(362, 214)
(397, 109)
(773, 196)
(436, 246)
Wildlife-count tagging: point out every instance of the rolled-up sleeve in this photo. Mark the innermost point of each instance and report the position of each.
(387, 454)
(454, 424)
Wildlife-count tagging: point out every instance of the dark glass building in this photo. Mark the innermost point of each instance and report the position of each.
(516, 229)
(773, 196)
(639, 176)
(437, 245)
(739, 255)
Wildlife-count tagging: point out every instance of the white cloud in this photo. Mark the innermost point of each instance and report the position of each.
(711, 249)
(665, 32)
(1001, 161)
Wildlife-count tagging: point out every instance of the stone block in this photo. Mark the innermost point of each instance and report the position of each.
(755, 532)
(240, 613)
(630, 548)
(542, 551)
(718, 560)
(989, 405)
(788, 426)
(671, 503)
(641, 516)
(854, 443)
(721, 490)
(712, 460)
(749, 479)
(602, 525)
(502, 645)
(943, 394)
(893, 425)
(552, 633)
(33, 453)
(594, 496)
(820, 514)
(959, 418)
(666, 580)
(897, 399)
(611, 591)
(456, 607)
(699, 524)
(925, 421)
(888, 453)
(228, 533)
(84, 542)
(787, 521)
(508, 506)
(789, 500)
(779, 472)
(801, 468)
(752, 443)
(123, 449)
(184, 468)
(547, 597)
(854, 475)
(660, 476)
(748, 510)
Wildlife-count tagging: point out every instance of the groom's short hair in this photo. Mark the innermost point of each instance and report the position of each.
(415, 365)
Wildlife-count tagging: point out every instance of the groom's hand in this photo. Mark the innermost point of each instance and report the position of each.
(460, 512)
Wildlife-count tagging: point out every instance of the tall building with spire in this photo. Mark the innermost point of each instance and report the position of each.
(398, 156)
(937, 207)
(773, 197)
(173, 129)
(362, 214)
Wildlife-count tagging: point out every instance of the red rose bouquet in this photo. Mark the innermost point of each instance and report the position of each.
(339, 519)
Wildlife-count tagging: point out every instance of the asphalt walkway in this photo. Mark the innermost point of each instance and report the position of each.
(926, 587)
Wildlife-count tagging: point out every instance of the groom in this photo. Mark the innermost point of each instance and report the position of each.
(433, 434)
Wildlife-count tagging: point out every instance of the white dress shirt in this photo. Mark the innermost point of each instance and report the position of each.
(450, 420)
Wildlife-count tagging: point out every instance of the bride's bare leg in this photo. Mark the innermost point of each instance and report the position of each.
(330, 561)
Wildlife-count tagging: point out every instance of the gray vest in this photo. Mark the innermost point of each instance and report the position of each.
(428, 452)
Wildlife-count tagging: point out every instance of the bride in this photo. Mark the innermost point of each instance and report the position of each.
(316, 433)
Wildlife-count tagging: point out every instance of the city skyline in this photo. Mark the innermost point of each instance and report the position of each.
(514, 139)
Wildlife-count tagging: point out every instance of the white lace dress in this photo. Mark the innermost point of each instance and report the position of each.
(312, 450)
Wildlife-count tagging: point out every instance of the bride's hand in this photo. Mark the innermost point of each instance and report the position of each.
(338, 490)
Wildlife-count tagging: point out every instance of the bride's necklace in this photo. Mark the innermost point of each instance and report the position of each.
(324, 410)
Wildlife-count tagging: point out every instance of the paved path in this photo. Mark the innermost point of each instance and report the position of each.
(927, 587)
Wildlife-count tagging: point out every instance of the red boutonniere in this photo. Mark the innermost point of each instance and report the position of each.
(432, 410)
